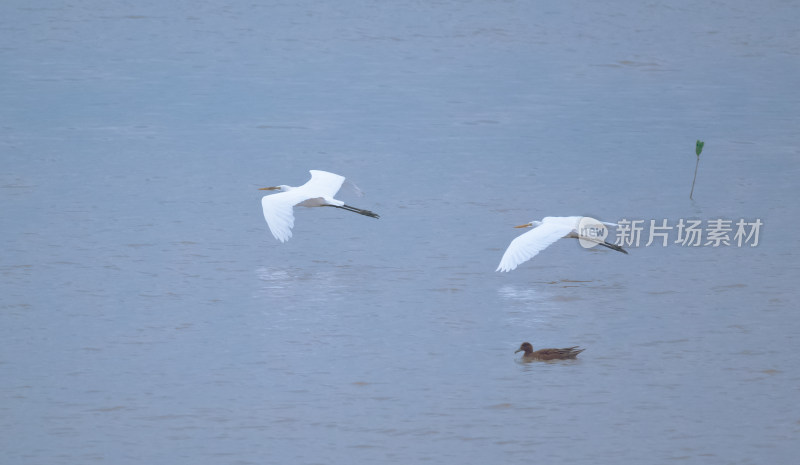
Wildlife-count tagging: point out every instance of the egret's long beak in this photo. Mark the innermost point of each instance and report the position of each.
(275, 188)
(527, 225)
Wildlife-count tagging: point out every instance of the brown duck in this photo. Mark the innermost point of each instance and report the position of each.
(547, 354)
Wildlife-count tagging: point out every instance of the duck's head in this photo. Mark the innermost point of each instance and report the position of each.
(526, 347)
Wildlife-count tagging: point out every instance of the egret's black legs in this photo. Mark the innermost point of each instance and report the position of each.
(574, 235)
(613, 247)
(355, 210)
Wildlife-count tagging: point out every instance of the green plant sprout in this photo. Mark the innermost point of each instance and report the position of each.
(697, 149)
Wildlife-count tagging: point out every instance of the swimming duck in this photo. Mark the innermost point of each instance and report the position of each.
(547, 354)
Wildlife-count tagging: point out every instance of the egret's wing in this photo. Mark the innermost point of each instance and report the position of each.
(279, 213)
(355, 188)
(526, 246)
(322, 184)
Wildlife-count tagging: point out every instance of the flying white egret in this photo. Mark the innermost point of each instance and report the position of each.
(317, 192)
(546, 232)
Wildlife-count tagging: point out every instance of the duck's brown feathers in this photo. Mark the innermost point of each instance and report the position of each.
(547, 354)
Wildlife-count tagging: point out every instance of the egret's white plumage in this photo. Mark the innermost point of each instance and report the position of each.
(545, 232)
(317, 192)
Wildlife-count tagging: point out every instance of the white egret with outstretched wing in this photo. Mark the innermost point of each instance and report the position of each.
(545, 232)
(317, 192)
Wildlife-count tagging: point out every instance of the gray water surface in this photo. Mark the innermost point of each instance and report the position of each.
(148, 316)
